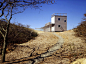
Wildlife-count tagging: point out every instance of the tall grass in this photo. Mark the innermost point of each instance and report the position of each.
(18, 34)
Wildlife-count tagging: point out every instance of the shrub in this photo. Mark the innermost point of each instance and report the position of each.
(81, 30)
(17, 34)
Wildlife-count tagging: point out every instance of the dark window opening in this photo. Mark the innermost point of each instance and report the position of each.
(58, 25)
(53, 25)
(58, 18)
(64, 20)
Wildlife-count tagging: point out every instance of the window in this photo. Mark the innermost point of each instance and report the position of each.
(64, 20)
(53, 25)
(58, 18)
(58, 25)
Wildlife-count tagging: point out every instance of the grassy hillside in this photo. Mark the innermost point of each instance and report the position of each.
(18, 34)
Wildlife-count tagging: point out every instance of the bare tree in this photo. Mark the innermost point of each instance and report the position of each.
(10, 7)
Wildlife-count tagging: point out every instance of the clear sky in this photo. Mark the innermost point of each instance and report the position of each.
(37, 18)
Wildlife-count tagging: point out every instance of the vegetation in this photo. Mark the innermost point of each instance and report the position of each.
(10, 7)
(17, 34)
(80, 30)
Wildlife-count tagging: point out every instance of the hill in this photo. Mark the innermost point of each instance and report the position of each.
(74, 48)
(18, 34)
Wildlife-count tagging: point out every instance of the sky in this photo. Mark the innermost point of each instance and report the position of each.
(37, 18)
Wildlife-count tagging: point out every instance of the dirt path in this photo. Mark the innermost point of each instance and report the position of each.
(49, 52)
(31, 50)
(72, 49)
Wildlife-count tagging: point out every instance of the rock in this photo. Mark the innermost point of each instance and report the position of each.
(84, 62)
(80, 61)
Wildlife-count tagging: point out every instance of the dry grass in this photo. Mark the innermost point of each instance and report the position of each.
(39, 31)
(72, 49)
(41, 44)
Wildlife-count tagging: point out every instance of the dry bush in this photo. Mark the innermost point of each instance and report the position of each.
(17, 34)
(81, 30)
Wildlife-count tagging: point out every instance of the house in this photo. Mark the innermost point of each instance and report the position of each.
(58, 23)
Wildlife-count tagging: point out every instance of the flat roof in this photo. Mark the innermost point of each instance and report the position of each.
(59, 14)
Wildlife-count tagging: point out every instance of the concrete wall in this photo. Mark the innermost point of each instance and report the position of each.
(53, 28)
(53, 20)
(61, 23)
(47, 29)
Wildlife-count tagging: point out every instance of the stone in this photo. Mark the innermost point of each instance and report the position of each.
(80, 61)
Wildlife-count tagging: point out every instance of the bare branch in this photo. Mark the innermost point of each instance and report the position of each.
(16, 3)
(6, 18)
(19, 12)
(1, 4)
(2, 34)
(7, 13)
(11, 13)
(2, 29)
(3, 10)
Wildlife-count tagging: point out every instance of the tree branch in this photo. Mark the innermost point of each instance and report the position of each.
(3, 10)
(7, 13)
(2, 29)
(11, 12)
(1, 4)
(2, 34)
(16, 3)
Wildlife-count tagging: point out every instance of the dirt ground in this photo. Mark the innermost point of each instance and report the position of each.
(73, 48)
(30, 49)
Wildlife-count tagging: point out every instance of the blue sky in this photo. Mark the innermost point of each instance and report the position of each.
(37, 18)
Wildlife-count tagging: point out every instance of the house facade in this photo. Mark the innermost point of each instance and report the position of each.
(58, 23)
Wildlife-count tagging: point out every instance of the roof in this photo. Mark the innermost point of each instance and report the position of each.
(47, 26)
(59, 14)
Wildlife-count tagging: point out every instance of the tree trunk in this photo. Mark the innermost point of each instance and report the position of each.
(4, 50)
(5, 43)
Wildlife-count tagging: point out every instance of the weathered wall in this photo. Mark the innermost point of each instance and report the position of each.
(54, 20)
(61, 23)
